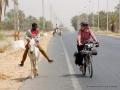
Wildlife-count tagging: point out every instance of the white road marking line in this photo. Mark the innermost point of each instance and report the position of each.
(75, 82)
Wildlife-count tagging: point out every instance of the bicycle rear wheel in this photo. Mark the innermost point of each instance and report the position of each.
(84, 69)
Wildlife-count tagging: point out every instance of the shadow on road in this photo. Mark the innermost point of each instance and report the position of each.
(22, 79)
(75, 75)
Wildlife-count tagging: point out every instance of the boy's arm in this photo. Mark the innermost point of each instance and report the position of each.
(27, 36)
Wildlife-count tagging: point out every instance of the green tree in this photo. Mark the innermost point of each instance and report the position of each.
(74, 21)
(9, 19)
(77, 19)
(41, 22)
(84, 17)
(3, 5)
(113, 20)
(103, 20)
(49, 25)
(28, 21)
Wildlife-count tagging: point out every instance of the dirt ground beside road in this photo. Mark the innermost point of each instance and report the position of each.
(12, 76)
(108, 33)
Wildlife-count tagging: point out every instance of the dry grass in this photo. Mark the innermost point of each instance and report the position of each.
(3, 76)
(2, 37)
(4, 48)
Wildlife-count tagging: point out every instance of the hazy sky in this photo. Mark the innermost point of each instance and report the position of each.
(64, 9)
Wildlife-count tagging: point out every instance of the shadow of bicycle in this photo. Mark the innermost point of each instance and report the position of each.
(75, 75)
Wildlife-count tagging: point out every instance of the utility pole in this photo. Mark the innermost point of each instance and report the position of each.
(43, 15)
(51, 13)
(107, 17)
(51, 17)
(54, 17)
(98, 17)
(89, 11)
(86, 17)
(119, 16)
(15, 26)
(93, 15)
(78, 22)
(16, 19)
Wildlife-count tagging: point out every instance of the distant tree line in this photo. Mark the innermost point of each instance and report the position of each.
(113, 20)
(25, 21)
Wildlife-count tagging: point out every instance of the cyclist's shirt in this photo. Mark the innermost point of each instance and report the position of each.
(85, 35)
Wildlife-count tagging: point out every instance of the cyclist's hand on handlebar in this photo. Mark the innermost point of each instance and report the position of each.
(97, 44)
(80, 44)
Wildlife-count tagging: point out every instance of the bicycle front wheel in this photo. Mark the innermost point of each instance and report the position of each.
(90, 69)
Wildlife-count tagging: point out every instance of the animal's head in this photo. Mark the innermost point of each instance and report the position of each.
(31, 46)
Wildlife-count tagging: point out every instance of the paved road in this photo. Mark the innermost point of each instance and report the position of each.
(63, 74)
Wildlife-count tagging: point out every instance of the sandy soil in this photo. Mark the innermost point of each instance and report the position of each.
(12, 76)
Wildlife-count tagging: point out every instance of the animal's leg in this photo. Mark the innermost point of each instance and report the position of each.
(35, 68)
(32, 68)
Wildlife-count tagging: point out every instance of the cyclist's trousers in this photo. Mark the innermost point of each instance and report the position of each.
(80, 48)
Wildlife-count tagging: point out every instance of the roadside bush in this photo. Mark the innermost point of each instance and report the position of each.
(2, 37)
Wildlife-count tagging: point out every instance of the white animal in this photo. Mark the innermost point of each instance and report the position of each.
(34, 56)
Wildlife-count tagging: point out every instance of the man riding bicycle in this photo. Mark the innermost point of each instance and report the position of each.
(84, 35)
(32, 33)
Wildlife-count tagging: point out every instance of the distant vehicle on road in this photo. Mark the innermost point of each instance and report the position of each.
(57, 31)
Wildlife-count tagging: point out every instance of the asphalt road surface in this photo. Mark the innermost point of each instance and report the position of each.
(63, 74)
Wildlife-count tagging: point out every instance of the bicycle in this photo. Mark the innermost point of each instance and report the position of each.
(87, 59)
(58, 32)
